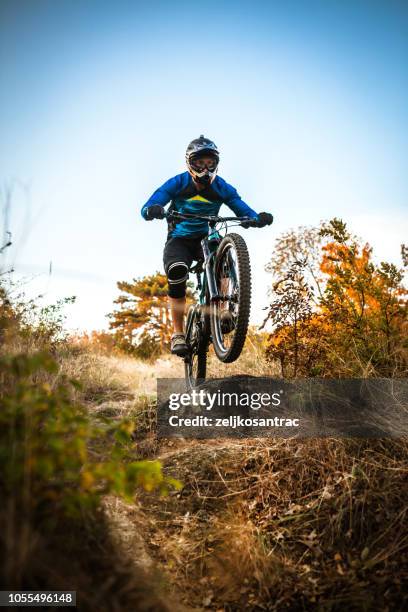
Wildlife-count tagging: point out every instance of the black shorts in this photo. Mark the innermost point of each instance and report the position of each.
(178, 255)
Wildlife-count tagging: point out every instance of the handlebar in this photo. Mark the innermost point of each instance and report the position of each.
(210, 219)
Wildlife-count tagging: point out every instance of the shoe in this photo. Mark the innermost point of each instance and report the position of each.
(178, 345)
(226, 321)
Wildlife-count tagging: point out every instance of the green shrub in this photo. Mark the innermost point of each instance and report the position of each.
(49, 444)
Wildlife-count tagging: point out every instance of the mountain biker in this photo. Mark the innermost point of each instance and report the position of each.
(200, 191)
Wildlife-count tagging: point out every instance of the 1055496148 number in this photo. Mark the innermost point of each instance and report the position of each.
(37, 598)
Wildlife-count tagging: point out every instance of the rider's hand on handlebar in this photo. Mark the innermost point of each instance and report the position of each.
(263, 219)
(155, 212)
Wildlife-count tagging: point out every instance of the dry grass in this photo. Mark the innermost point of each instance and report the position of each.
(259, 524)
(287, 524)
(110, 378)
(252, 361)
(262, 524)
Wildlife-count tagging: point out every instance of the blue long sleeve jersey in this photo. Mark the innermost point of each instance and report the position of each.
(185, 198)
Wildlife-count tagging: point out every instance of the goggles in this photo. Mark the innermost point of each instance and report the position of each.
(200, 165)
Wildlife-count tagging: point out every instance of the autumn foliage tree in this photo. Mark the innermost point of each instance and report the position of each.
(338, 314)
(364, 304)
(289, 311)
(141, 323)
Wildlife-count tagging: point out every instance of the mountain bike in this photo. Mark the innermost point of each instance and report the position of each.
(221, 314)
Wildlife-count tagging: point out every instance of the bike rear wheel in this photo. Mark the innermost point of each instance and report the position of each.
(232, 272)
(195, 363)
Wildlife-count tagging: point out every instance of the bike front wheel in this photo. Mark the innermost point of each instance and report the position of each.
(229, 315)
(195, 363)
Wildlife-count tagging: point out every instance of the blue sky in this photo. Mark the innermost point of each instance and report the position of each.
(307, 101)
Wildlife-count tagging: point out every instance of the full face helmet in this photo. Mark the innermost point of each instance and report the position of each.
(202, 171)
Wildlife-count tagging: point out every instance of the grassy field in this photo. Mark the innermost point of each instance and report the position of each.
(252, 524)
(258, 524)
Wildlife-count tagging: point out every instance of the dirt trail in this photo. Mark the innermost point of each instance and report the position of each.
(157, 533)
(151, 533)
(141, 532)
(138, 528)
(130, 530)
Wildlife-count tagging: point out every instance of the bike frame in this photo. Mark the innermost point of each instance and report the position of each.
(206, 276)
(208, 279)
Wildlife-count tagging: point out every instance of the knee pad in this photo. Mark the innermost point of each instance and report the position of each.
(177, 275)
